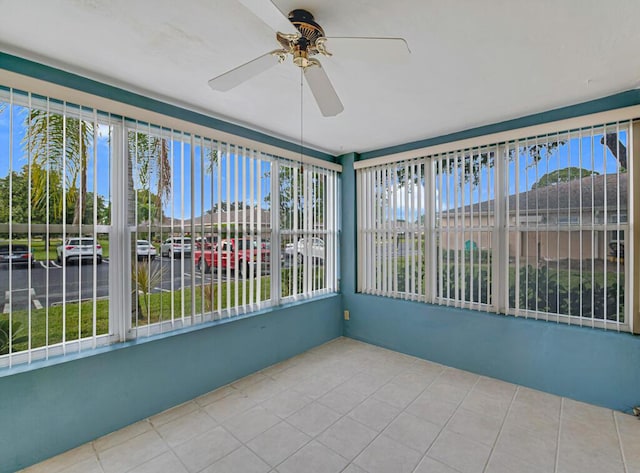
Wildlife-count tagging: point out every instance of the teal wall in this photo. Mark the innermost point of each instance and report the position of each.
(590, 365)
(45, 411)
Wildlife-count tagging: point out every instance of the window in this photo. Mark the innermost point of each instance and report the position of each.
(533, 227)
(127, 229)
(308, 228)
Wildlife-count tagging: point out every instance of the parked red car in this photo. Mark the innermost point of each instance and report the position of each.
(225, 254)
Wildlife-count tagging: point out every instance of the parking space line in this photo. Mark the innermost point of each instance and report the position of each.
(37, 304)
(55, 265)
(6, 309)
(161, 289)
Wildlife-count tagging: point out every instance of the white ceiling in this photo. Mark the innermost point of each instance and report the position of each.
(473, 62)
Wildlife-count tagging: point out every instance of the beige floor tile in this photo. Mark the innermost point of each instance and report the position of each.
(122, 435)
(419, 376)
(487, 404)
(347, 437)
(263, 389)
(229, 406)
(533, 398)
(431, 408)
(250, 423)
(278, 443)
(286, 403)
(206, 449)
(476, 426)
(385, 455)
(446, 391)
(593, 416)
(342, 399)
(313, 418)
(495, 388)
(429, 465)
(318, 386)
(353, 469)
(64, 460)
(248, 380)
(132, 453)
(374, 414)
(413, 432)
(505, 463)
(459, 378)
(92, 465)
(459, 452)
(577, 456)
(539, 421)
(165, 463)
(528, 446)
(369, 386)
(173, 413)
(186, 427)
(397, 395)
(365, 383)
(313, 458)
(214, 396)
(241, 460)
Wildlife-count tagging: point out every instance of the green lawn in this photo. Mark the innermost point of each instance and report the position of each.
(48, 330)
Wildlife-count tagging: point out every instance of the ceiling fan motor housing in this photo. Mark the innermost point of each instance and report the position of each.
(306, 45)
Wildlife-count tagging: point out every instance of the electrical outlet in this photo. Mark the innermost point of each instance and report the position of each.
(346, 315)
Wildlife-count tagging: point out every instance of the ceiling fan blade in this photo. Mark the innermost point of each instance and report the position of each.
(388, 50)
(269, 13)
(322, 90)
(240, 74)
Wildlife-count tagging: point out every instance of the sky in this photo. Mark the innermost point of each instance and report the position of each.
(14, 155)
(584, 151)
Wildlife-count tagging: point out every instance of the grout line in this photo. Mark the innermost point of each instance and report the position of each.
(504, 421)
(557, 459)
(624, 459)
(444, 427)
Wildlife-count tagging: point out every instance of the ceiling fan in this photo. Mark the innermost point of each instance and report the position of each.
(302, 38)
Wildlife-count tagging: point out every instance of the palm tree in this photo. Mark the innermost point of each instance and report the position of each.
(59, 146)
(148, 155)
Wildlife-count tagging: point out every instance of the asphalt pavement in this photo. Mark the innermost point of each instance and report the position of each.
(49, 283)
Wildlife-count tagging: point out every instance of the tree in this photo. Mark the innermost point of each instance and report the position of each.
(150, 169)
(292, 183)
(563, 175)
(58, 145)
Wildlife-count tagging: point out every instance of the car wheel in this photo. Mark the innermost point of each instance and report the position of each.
(58, 259)
(99, 259)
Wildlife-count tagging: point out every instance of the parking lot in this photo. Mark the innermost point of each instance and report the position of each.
(48, 283)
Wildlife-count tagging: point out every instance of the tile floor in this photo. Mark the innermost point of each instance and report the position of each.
(355, 408)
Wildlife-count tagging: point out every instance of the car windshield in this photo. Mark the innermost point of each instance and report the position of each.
(143, 243)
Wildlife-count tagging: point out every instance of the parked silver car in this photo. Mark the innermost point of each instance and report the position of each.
(314, 247)
(145, 250)
(79, 249)
(176, 246)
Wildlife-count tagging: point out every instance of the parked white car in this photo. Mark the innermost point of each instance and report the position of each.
(314, 247)
(175, 246)
(145, 250)
(78, 249)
